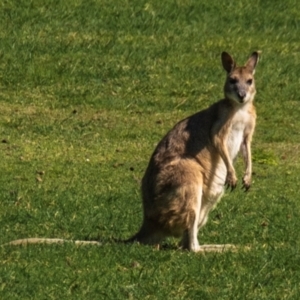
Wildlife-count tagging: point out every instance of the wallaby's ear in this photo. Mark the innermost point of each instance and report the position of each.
(228, 62)
(252, 61)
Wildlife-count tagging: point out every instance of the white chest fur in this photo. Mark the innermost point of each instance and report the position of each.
(237, 131)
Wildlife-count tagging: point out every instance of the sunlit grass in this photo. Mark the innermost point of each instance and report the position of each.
(87, 89)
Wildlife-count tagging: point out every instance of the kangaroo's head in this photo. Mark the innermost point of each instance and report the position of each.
(240, 85)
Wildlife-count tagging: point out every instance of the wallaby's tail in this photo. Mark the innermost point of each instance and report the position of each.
(28, 241)
(32, 241)
(146, 235)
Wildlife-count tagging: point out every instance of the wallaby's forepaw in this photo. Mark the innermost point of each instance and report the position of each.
(246, 183)
(231, 181)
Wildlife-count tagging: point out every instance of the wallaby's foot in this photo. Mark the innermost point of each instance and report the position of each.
(195, 247)
(217, 248)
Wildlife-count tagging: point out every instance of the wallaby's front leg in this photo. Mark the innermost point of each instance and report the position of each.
(231, 179)
(246, 152)
(220, 144)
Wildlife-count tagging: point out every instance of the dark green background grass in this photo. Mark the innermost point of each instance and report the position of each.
(87, 89)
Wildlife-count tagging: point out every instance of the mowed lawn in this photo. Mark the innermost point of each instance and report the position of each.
(87, 89)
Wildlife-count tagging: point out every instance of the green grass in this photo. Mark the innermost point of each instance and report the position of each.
(87, 89)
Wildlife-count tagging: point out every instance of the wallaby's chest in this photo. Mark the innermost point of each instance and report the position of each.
(236, 132)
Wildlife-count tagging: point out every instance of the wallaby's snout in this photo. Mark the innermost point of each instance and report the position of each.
(242, 94)
(241, 90)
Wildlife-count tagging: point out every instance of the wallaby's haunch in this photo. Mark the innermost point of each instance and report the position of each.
(191, 165)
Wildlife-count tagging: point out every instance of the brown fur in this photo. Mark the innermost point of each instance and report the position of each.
(187, 172)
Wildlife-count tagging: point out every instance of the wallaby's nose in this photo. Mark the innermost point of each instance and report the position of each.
(242, 94)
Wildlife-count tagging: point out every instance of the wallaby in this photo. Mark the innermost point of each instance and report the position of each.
(190, 166)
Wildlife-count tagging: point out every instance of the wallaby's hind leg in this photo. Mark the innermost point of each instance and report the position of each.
(206, 207)
(193, 244)
(190, 236)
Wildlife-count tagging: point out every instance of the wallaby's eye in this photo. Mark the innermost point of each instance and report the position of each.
(232, 81)
(249, 81)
